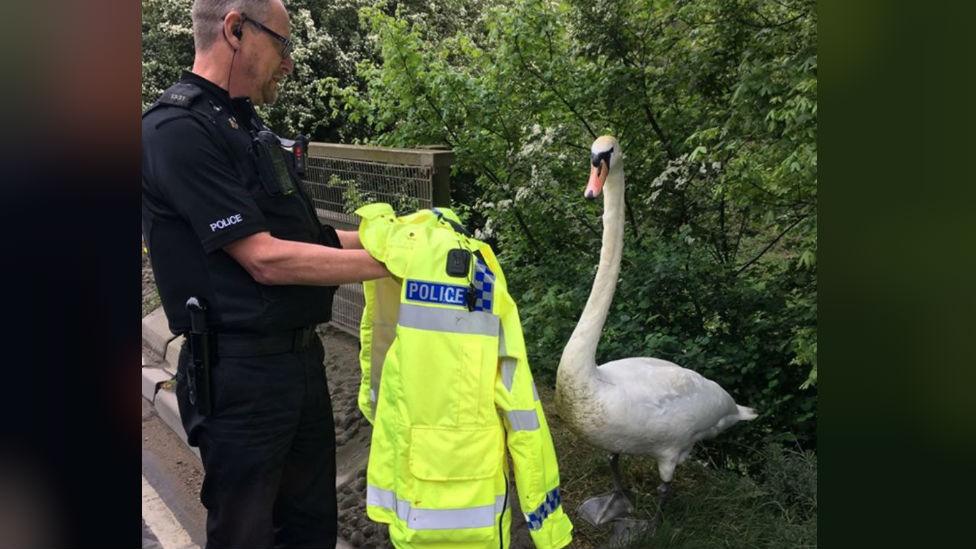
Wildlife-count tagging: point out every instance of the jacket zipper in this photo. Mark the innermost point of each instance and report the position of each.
(501, 517)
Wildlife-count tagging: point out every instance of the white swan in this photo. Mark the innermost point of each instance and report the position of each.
(640, 405)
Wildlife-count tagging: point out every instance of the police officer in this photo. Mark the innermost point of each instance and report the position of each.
(227, 224)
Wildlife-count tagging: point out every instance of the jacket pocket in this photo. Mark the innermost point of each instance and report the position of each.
(451, 454)
(454, 497)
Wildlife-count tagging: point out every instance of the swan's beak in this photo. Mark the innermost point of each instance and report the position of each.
(598, 176)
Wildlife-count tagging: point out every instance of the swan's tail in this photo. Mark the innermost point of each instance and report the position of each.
(746, 413)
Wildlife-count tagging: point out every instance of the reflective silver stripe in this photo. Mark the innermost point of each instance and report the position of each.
(508, 372)
(456, 321)
(435, 519)
(535, 393)
(380, 497)
(450, 519)
(523, 420)
(372, 395)
(501, 343)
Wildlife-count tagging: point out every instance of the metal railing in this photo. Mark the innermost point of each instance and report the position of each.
(409, 179)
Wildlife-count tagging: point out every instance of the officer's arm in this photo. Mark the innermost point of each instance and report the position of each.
(273, 261)
(350, 239)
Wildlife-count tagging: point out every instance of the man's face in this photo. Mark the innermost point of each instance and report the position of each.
(269, 66)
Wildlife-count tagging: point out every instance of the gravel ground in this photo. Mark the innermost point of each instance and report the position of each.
(352, 440)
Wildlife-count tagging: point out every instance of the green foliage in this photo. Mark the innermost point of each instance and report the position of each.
(328, 45)
(714, 103)
(167, 45)
(354, 197)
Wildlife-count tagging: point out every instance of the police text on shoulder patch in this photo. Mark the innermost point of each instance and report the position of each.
(226, 222)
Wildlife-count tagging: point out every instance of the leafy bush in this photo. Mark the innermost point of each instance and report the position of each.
(714, 103)
(328, 45)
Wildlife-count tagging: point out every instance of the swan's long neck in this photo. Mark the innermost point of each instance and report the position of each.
(578, 362)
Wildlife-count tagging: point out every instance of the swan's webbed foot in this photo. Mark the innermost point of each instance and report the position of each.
(600, 510)
(628, 530)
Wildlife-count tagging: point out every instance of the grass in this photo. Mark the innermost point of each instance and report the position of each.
(770, 501)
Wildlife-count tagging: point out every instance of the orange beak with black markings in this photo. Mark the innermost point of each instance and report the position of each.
(598, 177)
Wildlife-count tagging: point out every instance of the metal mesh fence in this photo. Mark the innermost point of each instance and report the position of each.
(347, 308)
(406, 187)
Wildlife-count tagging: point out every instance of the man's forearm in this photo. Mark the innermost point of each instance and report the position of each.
(302, 263)
(274, 261)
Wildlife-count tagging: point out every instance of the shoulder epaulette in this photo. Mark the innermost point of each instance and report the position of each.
(180, 94)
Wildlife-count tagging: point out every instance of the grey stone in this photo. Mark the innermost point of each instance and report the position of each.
(173, 354)
(150, 378)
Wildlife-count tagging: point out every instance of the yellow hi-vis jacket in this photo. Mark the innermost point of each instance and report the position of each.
(447, 387)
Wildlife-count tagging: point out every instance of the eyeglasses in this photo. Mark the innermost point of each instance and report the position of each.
(286, 44)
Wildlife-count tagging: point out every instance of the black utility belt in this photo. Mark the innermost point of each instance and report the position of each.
(245, 345)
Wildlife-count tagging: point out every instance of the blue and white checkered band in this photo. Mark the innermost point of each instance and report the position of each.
(432, 292)
(548, 507)
(484, 285)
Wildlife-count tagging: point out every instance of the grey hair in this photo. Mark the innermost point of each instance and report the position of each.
(208, 18)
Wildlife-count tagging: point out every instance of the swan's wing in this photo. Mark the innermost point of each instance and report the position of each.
(671, 398)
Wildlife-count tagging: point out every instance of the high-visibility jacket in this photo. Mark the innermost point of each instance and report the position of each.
(447, 387)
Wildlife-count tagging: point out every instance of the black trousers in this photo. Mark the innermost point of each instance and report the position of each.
(268, 450)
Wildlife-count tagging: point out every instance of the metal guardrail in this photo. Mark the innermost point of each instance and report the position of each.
(409, 178)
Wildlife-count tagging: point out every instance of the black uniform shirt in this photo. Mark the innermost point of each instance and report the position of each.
(204, 188)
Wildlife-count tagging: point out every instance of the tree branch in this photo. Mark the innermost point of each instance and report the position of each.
(423, 93)
(536, 249)
(657, 128)
(725, 241)
(539, 77)
(738, 238)
(769, 24)
(770, 245)
(646, 105)
(630, 215)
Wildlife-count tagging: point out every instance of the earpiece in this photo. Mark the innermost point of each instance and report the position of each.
(237, 33)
